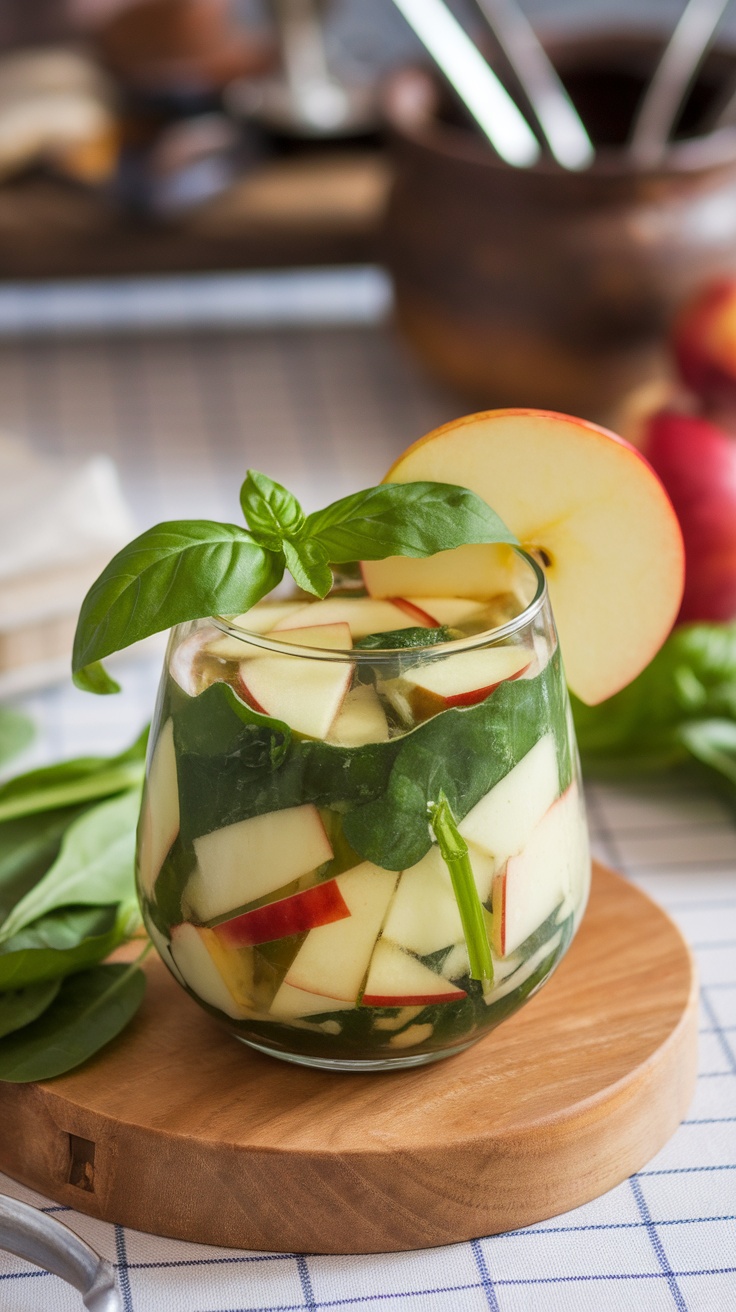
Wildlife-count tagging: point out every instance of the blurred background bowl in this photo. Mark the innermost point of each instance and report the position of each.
(541, 287)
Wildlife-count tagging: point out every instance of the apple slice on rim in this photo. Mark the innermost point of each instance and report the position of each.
(593, 510)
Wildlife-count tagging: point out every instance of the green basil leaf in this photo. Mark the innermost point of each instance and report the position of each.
(16, 732)
(62, 943)
(405, 519)
(307, 562)
(89, 1011)
(22, 1006)
(178, 571)
(272, 513)
(95, 866)
(69, 783)
(95, 678)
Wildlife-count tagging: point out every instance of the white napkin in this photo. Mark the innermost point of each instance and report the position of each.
(60, 523)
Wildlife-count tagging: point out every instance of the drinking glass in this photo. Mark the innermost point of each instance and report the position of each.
(288, 864)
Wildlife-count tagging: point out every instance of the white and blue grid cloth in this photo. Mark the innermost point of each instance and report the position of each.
(326, 411)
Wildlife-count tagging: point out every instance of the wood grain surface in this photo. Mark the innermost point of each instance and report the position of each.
(179, 1130)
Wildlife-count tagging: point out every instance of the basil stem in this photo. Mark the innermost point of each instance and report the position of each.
(454, 851)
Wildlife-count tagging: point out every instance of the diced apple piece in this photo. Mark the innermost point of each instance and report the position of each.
(423, 916)
(362, 614)
(333, 959)
(291, 1003)
(260, 619)
(539, 877)
(448, 610)
(248, 860)
(333, 637)
(195, 965)
(307, 694)
(464, 679)
(159, 823)
(361, 720)
(501, 822)
(320, 905)
(419, 615)
(188, 661)
(509, 983)
(472, 572)
(330, 636)
(396, 979)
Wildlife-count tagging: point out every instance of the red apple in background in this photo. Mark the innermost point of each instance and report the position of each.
(696, 461)
(704, 342)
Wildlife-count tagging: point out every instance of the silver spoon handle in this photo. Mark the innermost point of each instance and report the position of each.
(47, 1243)
(490, 104)
(672, 79)
(557, 116)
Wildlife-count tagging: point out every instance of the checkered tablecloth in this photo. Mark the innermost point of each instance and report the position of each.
(326, 411)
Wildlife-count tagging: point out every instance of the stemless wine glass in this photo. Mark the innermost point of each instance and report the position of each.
(288, 867)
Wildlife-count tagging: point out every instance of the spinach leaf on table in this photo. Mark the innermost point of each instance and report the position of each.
(89, 1010)
(63, 942)
(95, 866)
(70, 783)
(21, 1007)
(28, 846)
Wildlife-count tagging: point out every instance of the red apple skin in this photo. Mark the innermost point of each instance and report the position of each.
(696, 461)
(320, 905)
(423, 619)
(704, 342)
(410, 999)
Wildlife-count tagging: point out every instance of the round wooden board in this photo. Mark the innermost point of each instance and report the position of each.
(179, 1130)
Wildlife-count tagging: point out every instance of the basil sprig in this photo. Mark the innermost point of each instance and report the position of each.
(189, 569)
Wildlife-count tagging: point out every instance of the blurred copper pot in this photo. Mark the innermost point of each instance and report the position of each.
(161, 43)
(547, 288)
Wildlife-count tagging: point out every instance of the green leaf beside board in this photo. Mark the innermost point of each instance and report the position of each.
(67, 899)
(89, 1011)
(681, 708)
(95, 865)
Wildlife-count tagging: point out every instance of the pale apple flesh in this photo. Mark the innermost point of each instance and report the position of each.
(307, 694)
(536, 880)
(591, 507)
(396, 979)
(159, 822)
(251, 859)
(333, 959)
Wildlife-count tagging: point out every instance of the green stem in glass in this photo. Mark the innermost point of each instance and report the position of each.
(454, 852)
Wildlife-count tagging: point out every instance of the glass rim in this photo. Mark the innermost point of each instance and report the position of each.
(388, 655)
